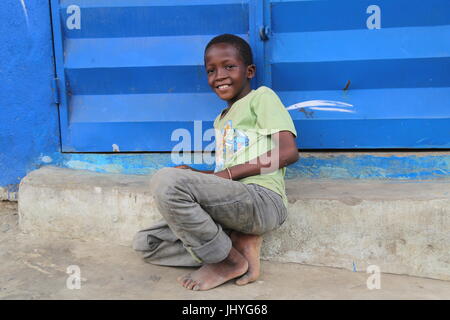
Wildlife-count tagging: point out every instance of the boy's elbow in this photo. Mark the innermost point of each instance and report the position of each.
(291, 157)
(294, 156)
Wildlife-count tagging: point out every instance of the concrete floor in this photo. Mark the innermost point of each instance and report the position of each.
(33, 268)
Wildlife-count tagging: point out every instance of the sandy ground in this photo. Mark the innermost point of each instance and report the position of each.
(33, 268)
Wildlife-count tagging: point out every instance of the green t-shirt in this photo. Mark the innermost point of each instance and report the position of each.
(244, 133)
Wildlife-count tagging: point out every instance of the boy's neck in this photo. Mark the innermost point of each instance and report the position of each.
(241, 95)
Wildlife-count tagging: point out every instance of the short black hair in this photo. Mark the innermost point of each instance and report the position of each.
(240, 44)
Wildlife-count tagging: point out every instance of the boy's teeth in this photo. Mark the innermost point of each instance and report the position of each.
(223, 86)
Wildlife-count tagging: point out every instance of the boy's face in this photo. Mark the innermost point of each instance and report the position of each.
(228, 76)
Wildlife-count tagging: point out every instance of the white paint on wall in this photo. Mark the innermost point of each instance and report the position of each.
(331, 109)
(25, 11)
(323, 105)
(115, 148)
(46, 159)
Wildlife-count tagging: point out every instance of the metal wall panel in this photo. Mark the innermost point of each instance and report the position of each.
(355, 74)
(131, 71)
(363, 74)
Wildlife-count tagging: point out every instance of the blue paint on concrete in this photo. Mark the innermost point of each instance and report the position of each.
(123, 163)
(140, 163)
(28, 117)
(323, 166)
(372, 167)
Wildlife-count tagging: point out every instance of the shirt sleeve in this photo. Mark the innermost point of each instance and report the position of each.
(271, 114)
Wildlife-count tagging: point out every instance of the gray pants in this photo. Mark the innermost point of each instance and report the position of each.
(199, 212)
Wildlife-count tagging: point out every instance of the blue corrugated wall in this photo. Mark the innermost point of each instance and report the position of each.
(132, 71)
(362, 73)
(29, 122)
(356, 74)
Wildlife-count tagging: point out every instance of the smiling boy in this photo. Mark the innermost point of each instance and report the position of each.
(215, 219)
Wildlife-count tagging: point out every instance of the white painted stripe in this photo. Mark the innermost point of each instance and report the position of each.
(25, 11)
(318, 103)
(332, 109)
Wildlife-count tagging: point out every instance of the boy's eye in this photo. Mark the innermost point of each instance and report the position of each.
(209, 71)
(230, 67)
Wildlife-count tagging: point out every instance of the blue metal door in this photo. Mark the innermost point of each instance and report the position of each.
(131, 71)
(362, 74)
(353, 73)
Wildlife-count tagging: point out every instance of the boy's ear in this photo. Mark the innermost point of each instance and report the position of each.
(251, 71)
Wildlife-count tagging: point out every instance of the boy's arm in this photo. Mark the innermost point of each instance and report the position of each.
(283, 154)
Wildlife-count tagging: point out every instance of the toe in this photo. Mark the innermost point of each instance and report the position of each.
(245, 279)
(186, 283)
(183, 278)
(192, 285)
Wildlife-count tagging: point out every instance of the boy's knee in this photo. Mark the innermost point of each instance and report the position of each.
(163, 181)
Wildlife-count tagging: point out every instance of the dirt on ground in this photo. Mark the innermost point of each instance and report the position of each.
(36, 268)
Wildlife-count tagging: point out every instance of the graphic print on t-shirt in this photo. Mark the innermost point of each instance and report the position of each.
(229, 142)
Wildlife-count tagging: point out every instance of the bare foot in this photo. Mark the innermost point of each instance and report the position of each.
(249, 246)
(212, 275)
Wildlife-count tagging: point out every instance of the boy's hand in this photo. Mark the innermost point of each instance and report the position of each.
(222, 174)
(184, 166)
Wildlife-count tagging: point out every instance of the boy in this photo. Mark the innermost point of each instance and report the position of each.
(215, 219)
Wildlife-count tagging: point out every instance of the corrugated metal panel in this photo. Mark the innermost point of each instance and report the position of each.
(132, 70)
(132, 73)
(397, 76)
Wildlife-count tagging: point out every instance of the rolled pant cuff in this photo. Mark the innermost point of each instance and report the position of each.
(214, 250)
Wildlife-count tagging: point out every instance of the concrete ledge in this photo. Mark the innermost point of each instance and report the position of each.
(83, 204)
(403, 227)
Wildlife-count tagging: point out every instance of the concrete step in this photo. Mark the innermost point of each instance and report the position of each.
(401, 227)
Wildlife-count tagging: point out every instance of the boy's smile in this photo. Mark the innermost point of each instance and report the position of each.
(228, 75)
